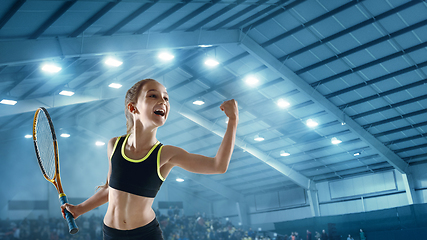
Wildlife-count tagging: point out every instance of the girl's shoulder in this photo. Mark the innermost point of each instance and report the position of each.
(170, 149)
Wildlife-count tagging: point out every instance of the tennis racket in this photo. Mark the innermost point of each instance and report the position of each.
(47, 154)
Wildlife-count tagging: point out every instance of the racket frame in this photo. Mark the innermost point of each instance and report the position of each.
(56, 179)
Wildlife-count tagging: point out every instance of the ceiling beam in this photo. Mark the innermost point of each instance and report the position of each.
(282, 9)
(217, 14)
(293, 175)
(163, 16)
(299, 179)
(401, 129)
(310, 23)
(94, 18)
(275, 4)
(12, 10)
(52, 101)
(414, 67)
(64, 8)
(87, 94)
(34, 50)
(356, 49)
(237, 15)
(129, 18)
(288, 75)
(389, 106)
(211, 184)
(191, 15)
(383, 94)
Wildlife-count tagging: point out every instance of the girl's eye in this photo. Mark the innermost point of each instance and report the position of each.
(153, 95)
(166, 99)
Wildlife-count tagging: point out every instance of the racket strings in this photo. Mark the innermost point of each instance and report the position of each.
(45, 145)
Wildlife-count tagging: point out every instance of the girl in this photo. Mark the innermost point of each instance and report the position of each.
(139, 164)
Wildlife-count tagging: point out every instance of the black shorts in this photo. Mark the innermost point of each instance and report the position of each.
(150, 231)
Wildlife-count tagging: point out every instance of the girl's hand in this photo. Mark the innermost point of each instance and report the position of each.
(230, 109)
(71, 208)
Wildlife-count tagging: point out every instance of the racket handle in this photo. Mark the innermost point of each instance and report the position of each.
(72, 227)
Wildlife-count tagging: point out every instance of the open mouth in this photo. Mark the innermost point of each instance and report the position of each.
(160, 112)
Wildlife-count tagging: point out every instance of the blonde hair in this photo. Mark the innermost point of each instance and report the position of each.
(132, 97)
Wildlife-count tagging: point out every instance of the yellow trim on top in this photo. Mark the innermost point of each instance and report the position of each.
(139, 160)
(61, 195)
(158, 164)
(115, 145)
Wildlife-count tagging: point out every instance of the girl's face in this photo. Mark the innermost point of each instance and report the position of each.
(153, 104)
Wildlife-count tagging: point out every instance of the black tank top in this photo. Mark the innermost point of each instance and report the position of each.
(140, 177)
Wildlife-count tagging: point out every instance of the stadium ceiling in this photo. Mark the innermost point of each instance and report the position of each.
(356, 68)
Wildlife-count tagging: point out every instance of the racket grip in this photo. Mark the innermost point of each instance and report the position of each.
(72, 227)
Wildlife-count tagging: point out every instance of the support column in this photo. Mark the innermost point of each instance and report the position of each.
(409, 187)
(363, 203)
(313, 199)
(242, 210)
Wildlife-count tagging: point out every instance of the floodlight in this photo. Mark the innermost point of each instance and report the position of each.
(211, 62)
(335, 140)
(311, 123)
(258, 138)
(113, 62)
(166, 56)
(199, 102)
(282, 103)
(51, 68)
(8, 102)
(284, 154)
(251, 80)
(115, 85)
(66, 93)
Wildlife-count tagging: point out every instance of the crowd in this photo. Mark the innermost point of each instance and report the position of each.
(317, 236)
(179, 227)
(175, 226)
(90, 228)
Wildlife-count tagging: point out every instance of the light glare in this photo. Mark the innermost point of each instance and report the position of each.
(66, 93)
(113, 62)
(180, 180)
(282, 103)
(166, 56)
(51, 68)
(211, 62)
(199, 102)
(335, 140)
(99, 143)
(251, 80)
(115, 85)
(65, 135)
(258, 138)
(311, 123)
(8, 102)
(284, 154)
(28, 136)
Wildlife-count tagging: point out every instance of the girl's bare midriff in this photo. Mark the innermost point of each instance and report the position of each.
(127, 211)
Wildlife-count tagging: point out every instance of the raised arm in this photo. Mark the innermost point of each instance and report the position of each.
(210, 165)
(96, 200)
